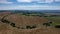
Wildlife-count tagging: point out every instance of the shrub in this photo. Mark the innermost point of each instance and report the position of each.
(57, 26)
(50, 22)
(13, 24)
(46, 24)
(30, 27)
(5, 21)
(33, 26)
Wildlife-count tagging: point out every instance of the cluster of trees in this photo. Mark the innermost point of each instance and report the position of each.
(14, 25)
(47, 24)
(8, 22)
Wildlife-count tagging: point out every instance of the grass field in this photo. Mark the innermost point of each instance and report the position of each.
(21, 20)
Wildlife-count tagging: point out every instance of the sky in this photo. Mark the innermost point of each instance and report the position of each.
(29, 4)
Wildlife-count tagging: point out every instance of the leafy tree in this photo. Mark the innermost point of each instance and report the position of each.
(46, 24)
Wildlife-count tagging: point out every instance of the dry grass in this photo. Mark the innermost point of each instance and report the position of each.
(26, 20)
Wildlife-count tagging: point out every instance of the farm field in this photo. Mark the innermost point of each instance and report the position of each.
(27, 24)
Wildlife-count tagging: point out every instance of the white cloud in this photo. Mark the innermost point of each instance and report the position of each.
(35, 7)
(45, 1)
(39, 1)
(24, 0)
(49, 1)
(5, 2)
(57, 0)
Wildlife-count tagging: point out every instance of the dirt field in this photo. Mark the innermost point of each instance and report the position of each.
(21, 20)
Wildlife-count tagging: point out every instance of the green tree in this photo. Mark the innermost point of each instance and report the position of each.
(46, 24)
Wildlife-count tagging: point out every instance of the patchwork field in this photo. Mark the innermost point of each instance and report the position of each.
(22, 24)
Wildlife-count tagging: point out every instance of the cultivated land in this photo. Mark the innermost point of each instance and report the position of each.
(19, 23)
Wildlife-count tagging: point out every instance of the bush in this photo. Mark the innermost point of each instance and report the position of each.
(46, 24)
(50, 22)
(5, 21)
(30, 27)
(13, 24)
(57, 26)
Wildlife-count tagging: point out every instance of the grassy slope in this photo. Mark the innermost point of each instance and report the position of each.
(5, 29)
(55, 20)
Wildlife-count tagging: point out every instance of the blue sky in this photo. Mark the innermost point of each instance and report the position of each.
(29, 4)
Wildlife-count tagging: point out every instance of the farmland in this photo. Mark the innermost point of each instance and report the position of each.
(29, 23)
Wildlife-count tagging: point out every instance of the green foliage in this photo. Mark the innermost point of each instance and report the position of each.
(23, 13)
(46, 24)
(55, 20)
